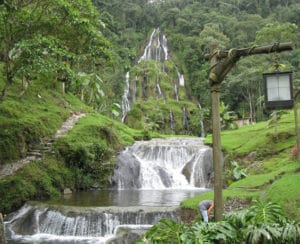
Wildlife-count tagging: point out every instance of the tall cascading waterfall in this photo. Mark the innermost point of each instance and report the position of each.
(125, 100)
(156, 49)
(163, 164)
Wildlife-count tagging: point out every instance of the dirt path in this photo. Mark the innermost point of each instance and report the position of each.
(37, 153)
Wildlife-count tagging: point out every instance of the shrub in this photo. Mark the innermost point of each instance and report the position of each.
(261, 223)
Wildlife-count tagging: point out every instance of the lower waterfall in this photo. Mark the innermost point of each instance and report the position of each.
(150, 180)
(177, 163)
(39, 223)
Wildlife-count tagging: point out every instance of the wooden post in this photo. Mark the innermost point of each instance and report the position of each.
(217, 153)
(297, 124)
(220, 64)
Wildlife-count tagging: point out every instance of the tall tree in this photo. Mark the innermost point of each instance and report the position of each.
(54, 37)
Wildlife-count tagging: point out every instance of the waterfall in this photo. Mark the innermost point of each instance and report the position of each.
(65, 224)
(176, 92)
(163, 164)
(155, 49)
(158, 88)
(201, 123)
(185, 121)
(165, 47)
(172, 121)
(181, 79)
(125, 101)
(180, 82)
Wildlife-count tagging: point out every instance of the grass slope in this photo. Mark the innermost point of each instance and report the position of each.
(273, 174)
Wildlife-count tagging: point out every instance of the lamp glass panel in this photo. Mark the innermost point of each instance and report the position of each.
(278, 88)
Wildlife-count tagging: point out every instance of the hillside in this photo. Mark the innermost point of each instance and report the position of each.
(79, 160)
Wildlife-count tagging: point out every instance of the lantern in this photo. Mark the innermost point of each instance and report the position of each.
(278, 90)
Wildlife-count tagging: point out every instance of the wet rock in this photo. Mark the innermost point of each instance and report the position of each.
(129, 234)
(188, 169)
(95, 186)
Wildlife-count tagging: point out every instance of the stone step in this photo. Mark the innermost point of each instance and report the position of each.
(48, 144)
(34, 153)
(46, 148)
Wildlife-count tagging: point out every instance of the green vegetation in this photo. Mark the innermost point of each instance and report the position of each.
(60, 56)
(261, 223)
(27, 118)
(38, 180)
(84, 156)
(272, 173)
(154, 115)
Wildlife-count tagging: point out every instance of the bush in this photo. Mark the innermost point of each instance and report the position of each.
(261, 223)
(38, 180)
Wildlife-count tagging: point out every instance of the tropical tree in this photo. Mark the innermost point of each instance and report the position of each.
(50, 37)
(276, 32)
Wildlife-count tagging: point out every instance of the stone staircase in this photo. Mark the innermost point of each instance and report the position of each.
(45, 147)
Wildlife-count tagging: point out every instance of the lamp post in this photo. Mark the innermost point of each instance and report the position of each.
(220, 64)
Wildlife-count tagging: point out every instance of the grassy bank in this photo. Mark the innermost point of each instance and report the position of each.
(28, 117)
(263, 151)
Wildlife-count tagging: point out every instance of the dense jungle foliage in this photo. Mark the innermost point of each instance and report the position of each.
(192, 26)
(89, 46)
